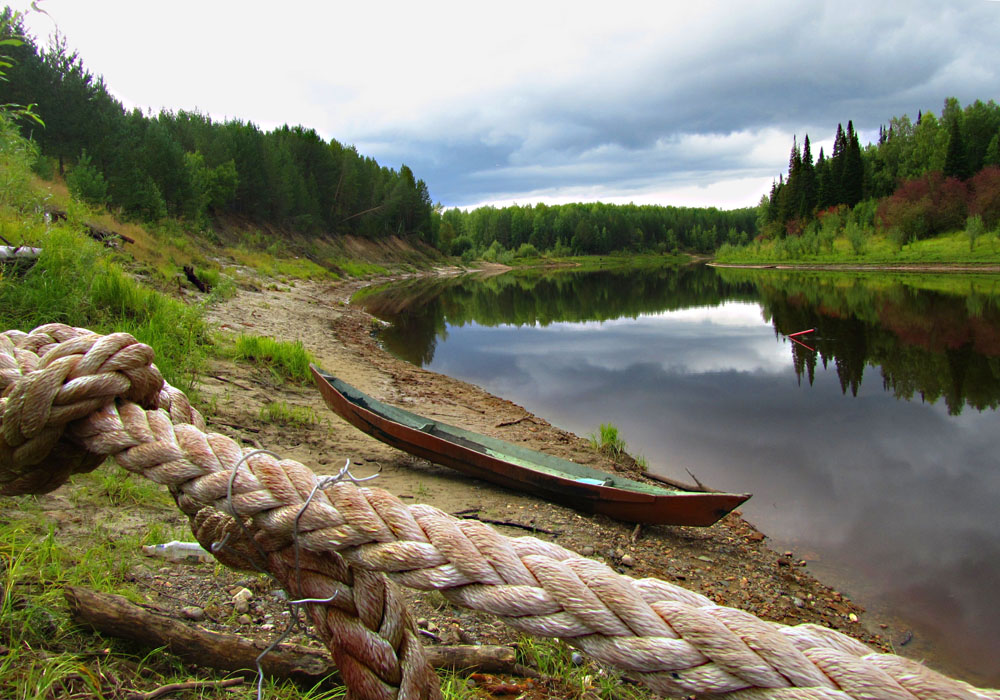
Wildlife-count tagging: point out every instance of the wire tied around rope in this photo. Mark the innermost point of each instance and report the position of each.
(338, 543)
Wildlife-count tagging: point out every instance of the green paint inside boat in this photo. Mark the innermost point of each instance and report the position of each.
(521, 468)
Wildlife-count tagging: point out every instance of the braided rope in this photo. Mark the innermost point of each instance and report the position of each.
(346, 537)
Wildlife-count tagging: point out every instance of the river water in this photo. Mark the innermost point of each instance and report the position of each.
(871, 450)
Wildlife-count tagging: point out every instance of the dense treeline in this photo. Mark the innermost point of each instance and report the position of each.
(594, 228)
(929, 345)
(188, 166)
(421, 310)
(919, 180)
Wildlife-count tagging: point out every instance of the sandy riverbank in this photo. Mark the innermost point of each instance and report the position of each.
(729, 562)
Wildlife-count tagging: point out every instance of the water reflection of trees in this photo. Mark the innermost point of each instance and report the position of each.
(930, 338)
(420, 310)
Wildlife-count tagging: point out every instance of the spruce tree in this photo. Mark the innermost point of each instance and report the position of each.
(823, 198)
(835, 187)
(852, 185)
(807, 187)
(955, 162)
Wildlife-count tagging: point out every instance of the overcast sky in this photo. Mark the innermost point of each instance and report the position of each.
(691, 103)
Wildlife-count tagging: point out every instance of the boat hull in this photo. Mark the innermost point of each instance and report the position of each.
(518, 468)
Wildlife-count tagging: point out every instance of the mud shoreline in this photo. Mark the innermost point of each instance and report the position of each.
(729, 562)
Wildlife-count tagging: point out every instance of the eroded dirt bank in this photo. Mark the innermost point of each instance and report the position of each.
(729, 562)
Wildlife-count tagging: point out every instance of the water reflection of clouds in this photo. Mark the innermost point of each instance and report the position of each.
(900, 491)
(728, 337)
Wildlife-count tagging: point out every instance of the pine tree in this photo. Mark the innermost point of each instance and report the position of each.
(808, 191)
(852, 184)
(955, 162)
(835, 186)
(823, 198)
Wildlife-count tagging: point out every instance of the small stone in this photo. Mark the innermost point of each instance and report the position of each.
(576, 658)
(422, 623)
(193, 612)
(244, 619)
(470, 683)
(852, 617)
(587, 551)
(798, 602)
(628, 560)
(241, 600)
(702, 557)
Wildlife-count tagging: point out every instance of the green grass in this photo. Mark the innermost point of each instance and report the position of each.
(608, 440)
(45, 655)
(269, 264)
(878, 249)
(77, 283)
(285, 414)
(283, 359)
(584, 680)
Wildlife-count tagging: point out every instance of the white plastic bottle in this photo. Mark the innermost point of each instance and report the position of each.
(190, 552)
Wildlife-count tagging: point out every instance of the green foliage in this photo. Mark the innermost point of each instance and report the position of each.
(16, 158)
(526, 251)
(285, 360)
(594, 229)
(607, 440)
(186, 165)
(974, 229)
(285, 414)
(86, 183)
(856, 237)
(75, 282)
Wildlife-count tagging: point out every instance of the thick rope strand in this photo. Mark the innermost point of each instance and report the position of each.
(346, 537)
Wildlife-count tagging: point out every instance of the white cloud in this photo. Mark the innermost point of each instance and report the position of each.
(635, 100)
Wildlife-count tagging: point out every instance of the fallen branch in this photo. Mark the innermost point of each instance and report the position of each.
(680, 484)
(505, 423)
(193, 279)
(116, 616)
(233, 382)
(696, 480)
(508, 523)
(189, 685)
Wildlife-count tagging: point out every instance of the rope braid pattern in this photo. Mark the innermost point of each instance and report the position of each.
(347, 537)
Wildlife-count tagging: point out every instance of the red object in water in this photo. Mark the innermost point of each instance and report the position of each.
(799, 342)
(792, 335)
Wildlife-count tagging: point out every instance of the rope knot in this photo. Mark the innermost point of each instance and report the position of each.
(57, 374)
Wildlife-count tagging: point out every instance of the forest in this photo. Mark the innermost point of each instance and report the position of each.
(595, 228)
(921, 179)
(187, 166)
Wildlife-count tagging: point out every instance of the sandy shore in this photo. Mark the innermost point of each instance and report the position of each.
(729, 562)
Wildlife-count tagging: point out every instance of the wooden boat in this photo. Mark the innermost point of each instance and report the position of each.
(519, 468)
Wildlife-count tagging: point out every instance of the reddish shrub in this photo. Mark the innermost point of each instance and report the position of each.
(926, 206)
(794, 227)
(984, 197)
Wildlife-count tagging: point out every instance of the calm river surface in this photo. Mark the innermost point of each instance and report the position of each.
(873, 453)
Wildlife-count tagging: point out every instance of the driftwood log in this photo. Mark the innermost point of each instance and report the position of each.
(116, 616)
(9, 252)
(104, 235)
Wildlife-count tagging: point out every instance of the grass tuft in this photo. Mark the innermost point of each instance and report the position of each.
(285, 360)
(607, 440)
(285, 414)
